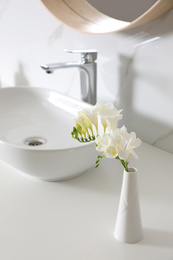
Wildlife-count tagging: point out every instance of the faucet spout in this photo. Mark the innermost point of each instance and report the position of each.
(88, 73)
(61, 65)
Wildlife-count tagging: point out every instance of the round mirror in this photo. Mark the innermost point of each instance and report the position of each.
(94, 17)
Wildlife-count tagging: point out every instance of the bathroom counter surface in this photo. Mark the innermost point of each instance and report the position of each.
(75, 219)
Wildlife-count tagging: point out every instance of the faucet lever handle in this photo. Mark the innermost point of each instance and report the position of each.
(87, 55)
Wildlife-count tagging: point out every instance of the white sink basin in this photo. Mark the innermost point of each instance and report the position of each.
(35, 134)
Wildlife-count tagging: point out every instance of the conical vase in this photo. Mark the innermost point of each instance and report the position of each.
(128, 228)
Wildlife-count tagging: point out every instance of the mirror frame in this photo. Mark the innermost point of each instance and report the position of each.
(81, 16)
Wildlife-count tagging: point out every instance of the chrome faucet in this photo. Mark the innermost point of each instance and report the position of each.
(88, 72)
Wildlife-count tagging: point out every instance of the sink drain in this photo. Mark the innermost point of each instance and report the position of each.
(34, 141)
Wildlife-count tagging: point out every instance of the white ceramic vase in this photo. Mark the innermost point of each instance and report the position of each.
(128, 227)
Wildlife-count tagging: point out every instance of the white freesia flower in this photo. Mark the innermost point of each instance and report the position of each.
(127, 142)
(109, 116)
(115, 142)
(120, 143)
(111, 152)
(102, 142)
(81, 130)
(83, 120)
(92, 114)
(133, 143)
(107, 145)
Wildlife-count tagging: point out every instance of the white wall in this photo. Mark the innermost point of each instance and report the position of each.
(135, 68)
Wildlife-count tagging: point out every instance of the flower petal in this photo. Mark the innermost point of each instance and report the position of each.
(111, 152)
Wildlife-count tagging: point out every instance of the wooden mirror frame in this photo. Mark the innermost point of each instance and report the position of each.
(81, 16)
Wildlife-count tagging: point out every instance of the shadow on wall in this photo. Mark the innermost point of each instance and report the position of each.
(20, 77)
(161, 26)
(149, 129)
(3, 6)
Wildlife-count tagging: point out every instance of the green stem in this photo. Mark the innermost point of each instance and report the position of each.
(124, 163)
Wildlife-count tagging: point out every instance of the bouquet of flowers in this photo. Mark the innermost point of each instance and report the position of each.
(99, 124)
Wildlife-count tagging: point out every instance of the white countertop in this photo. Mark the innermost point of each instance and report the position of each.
(75, 219)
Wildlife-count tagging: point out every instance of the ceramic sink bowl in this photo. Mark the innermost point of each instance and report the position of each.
(35, 134)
